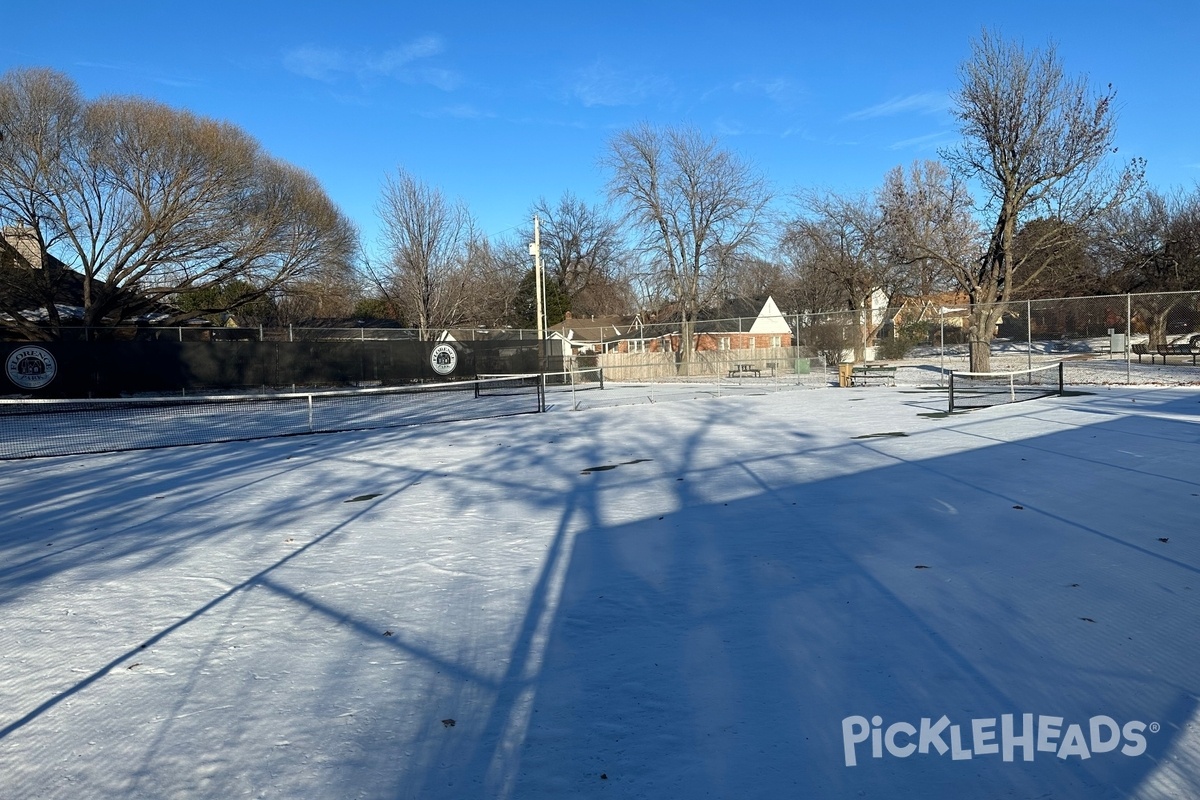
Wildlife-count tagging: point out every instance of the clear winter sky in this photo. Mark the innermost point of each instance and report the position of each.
(500, 103)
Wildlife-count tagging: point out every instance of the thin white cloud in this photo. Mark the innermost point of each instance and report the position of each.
(922, 103)
(148, 74)
(729, 127)
(927, 142)
(318, 63)
(779, 90)
(460, 111)
(601, 85)
(331, 65)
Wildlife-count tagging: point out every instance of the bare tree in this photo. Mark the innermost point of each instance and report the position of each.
(583, 253)
(332, 291)
(1151, 247)
(1036, 141)
(930, 225)
(147, 204)
(843, 238)
(494, 273)
(427, 239)
(694, 207)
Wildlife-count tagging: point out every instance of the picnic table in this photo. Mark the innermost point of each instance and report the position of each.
(744, 369)
(864, 374)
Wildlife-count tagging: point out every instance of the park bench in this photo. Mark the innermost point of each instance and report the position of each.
(1178, 349)
(744, 369)
(863, 374)
(1188, 348)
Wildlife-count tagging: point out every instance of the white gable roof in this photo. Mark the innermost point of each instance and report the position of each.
(770, 319)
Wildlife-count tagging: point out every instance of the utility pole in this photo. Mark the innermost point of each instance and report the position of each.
(535, 250)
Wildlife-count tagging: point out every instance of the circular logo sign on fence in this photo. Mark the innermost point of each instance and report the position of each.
(30, 367)
(443, 359)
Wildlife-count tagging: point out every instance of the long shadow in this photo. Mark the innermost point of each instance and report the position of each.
(718, 650)
(702, 623)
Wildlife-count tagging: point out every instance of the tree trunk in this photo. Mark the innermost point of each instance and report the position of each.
(1156, 321)
(686, 346)
(979, 337)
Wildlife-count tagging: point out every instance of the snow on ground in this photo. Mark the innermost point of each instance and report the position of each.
(805, 594)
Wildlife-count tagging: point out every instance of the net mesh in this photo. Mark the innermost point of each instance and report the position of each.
(43, 427)
(984, 389)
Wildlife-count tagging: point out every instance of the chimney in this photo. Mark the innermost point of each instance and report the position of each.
(24, 241)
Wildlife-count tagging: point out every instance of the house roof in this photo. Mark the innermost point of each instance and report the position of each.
(595, 329)
(947, 304)
(770, 319)
(734, 313)
(25, 285)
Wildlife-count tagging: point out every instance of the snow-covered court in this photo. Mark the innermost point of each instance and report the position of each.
(829, 593)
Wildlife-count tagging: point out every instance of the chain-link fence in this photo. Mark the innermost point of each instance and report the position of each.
(1129, 338)
(1151, 338)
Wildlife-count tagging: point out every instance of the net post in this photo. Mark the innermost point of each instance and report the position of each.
(1060, 378)
(951, 408)
(601, 377)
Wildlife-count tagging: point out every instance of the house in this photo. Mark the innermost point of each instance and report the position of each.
(951, 309)
(587, 335)
(32, 286)
(761, 327)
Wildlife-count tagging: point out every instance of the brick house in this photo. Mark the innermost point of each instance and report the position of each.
(586, 335)
(768, 329)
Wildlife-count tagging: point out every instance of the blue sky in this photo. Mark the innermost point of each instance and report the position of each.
(499, 104)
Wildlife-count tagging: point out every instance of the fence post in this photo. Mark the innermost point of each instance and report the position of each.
(1128, 334)
(1029, 334)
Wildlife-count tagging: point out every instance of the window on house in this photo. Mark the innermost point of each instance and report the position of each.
(637, 345)
(752, 342)
(723, 343)
(776, 341)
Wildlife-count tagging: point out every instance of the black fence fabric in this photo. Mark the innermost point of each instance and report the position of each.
(116, 368)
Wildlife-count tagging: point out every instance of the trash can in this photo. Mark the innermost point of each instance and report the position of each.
(845, 374)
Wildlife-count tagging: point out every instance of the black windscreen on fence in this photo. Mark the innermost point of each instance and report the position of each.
(114, 368)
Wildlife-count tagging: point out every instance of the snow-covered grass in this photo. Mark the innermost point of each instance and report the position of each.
(713, 598)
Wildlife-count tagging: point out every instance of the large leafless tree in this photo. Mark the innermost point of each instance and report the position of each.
(842, 242)
(1036, 141)
(695, 208)
(427, 239)
(583, 253)
(145, 204)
